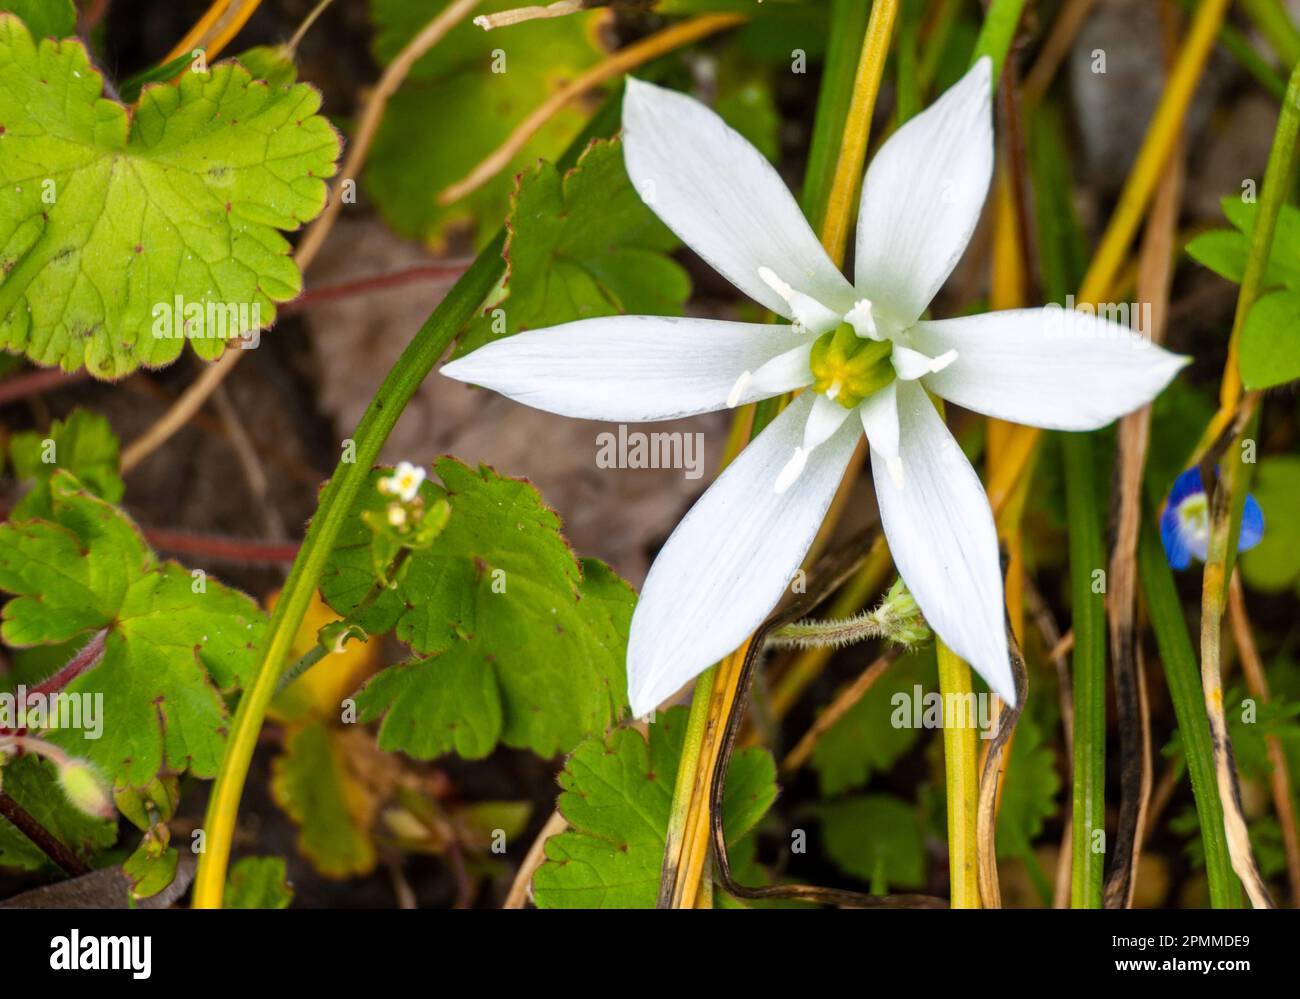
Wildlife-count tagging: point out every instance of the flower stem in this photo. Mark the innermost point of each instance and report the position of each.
(41, 838)
(847, 28)
(335, 506)
(1236, 417)
(1089, 664)
(960, 757)
(693, 857)
(1252, 668)
(1273, 22)
(999, 29)
(687, 767)
(684, 860)
(336, 501)
(1226, 494)
(1178, 659)
(320, 650)
(960, 777)
(857, 129)
(1276, 187)
(805, 668)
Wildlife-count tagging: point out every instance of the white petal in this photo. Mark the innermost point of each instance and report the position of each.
(879, 414)
(922, 196)
(723, 198)
(1048, 367)
(940, 532)
(909, 365)
(731, 558)
(630, 368)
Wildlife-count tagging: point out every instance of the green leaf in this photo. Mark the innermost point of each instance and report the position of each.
(1270, 341)
(32, 782)
(865, 740)
(169, 650)
(581, 245)
(1274, 564)
(108, 217)
(151, 868)
(459, 103)
(1028, 792)
(83, 444)
(45, 18)
(1224, 251)
(527, 644)
(447, 704)
(258, 883)
(312, 782)
(876, 838)
(617, 796)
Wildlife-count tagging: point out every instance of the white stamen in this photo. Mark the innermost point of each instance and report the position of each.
(738, 390)
(834, 390)
(911, 364)
(808, 314)
(793, 469)
(770, 279)
(863, 321)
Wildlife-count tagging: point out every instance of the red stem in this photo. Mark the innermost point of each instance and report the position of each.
(78, 664)
(45, 840)
(227, 549)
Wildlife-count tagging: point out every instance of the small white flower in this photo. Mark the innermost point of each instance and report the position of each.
(861, 349)
(404, 483)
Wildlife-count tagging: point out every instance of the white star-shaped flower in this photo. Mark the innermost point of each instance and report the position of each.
(404, 483)
(857, 350)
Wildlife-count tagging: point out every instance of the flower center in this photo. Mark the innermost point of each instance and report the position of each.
(848, 368)
(1194, 512)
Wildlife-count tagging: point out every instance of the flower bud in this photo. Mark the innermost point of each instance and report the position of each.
(85, 788)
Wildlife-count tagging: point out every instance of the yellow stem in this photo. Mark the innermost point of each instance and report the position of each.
(690, 858)
(226, 34)
(857, 128)
(697, 840)
(200, 29)
(961, 778)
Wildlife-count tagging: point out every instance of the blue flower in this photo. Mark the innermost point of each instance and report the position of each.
(1185, 524)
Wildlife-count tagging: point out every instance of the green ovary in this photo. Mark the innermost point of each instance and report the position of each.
(848, 368)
